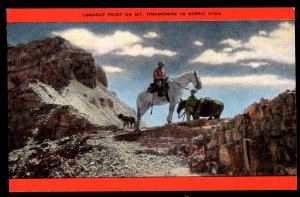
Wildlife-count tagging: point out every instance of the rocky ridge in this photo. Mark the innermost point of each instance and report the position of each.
(57, 90)
(53, 61)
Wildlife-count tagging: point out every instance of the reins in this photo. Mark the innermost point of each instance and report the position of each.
(180, 85)
(183, 117)
(179, 116)
(185, 87)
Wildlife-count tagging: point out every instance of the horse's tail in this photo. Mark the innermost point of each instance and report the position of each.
(138, 113)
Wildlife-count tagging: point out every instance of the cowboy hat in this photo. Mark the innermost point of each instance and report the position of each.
(160, 63)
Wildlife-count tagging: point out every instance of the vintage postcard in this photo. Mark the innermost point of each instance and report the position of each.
(151, 99)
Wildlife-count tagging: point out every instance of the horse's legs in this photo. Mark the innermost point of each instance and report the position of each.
(144, 110)
(217, 116)
(138, 118)
(138, 115)
(194, 116)
(171, 111)
(140, 112)
(188, 116)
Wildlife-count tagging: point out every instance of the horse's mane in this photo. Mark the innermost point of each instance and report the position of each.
(181, 75)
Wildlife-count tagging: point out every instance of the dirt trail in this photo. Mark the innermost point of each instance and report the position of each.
(129, 159)
(94, 155)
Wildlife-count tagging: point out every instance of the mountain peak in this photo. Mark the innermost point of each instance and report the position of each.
(53, 61)
(56, 89)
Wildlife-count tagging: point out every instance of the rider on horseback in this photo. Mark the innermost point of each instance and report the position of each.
(160, 78)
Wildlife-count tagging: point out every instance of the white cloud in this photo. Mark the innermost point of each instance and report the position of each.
(232, 43)
(254, 64)
(278, 46)
(262, 33)
(211, 56)
(120, 43)
(99, 44)
(228, 49)
(151, 34)
(198, 43)
(139, 50)
(251, 80)
(112, 69)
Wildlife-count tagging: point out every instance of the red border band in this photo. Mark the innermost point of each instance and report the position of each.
(144, 14)
(153, 184)
(163, 183)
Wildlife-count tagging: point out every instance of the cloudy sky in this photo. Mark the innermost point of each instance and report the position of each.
(238, 62)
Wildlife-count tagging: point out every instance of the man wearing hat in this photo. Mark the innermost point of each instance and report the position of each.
(190, 105)
(160, 77)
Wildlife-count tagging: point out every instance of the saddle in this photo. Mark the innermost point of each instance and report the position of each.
(162, 91)
(152, 88)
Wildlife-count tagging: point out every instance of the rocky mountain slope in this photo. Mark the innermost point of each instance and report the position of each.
(56, 90)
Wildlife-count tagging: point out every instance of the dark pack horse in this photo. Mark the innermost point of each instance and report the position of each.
(205, 108)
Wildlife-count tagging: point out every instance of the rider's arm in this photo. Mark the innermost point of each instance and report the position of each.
(165, 74)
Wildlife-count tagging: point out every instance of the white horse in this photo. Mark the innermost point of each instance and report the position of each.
(145, 99)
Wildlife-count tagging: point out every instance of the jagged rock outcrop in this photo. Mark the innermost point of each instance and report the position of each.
(101, 76)
(56, 90)
(262, 141)
(53, 61)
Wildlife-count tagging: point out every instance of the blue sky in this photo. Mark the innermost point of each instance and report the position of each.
(238, 62)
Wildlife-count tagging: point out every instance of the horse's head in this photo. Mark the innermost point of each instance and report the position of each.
(181, 105)
(196, 81)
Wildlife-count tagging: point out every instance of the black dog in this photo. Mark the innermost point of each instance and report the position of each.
(127, 120)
